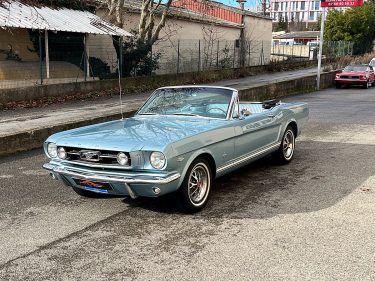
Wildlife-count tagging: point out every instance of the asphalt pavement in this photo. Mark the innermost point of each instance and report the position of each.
(313, 219)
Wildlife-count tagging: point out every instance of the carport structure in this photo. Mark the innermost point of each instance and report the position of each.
(14, 14)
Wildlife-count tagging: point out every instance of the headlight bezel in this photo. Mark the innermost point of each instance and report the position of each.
(51, 150)
(158, 160)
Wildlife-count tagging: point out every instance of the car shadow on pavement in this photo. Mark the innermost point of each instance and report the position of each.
(320, 175)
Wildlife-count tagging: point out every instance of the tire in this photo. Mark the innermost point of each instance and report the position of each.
(286, 150)
(338, 85)
(86, 193)
(365, 86)
(195, 188)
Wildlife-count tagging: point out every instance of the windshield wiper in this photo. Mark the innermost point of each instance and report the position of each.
(185, 114)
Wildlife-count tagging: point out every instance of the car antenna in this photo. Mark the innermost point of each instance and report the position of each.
(119, 86)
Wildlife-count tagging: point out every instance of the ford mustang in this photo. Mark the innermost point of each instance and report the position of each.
(179, 141)
(356, 74)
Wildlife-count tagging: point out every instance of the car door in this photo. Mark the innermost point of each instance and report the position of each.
(257, 131)
(371, 74)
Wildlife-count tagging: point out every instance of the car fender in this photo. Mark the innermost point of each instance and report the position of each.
(194, 155)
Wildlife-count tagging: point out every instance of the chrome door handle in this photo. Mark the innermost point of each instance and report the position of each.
(270, 115)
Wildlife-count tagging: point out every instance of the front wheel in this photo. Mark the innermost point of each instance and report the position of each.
(338, 85)
(196, 186)
(286, 150)
(366, 85)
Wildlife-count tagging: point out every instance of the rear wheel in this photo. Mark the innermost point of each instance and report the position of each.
(196, 186)
(286, 150)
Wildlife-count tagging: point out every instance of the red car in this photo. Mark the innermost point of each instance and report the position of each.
(356, 74)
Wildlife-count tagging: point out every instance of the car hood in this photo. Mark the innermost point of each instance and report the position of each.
(136, 133)
(351, 73)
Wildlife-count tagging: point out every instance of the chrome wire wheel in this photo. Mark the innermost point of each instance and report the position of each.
(199, 184)
(288, 144)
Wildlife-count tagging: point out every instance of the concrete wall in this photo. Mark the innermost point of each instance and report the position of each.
(134, 84)
(19, 41)
(199, 34)
(258, 31)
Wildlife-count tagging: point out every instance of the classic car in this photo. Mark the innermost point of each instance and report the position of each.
(178, 141)
(356, 74)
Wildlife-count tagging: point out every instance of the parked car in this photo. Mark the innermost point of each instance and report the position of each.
(372, 63)
(179, 140)
(356, 74)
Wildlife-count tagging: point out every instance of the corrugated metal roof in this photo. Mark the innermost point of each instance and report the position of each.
(15, 14)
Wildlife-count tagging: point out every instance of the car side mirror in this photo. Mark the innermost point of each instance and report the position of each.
(245, 112)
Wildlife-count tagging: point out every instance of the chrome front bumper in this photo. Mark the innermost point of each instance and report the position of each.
(111, 177)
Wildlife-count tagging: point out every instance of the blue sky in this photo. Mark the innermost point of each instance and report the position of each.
(249, 3)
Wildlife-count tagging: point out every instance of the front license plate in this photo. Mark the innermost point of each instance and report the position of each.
(93, 185)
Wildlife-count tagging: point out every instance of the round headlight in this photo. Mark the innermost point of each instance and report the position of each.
(52, 150)
(122, 158)
(157, 160)
(61, 153)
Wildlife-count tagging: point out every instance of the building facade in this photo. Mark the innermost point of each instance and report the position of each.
(306, 11)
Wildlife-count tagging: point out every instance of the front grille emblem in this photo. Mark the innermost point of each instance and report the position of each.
(89, 155)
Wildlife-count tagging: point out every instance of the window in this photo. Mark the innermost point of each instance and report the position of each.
(302, 16)
(317, 5)
(282, 6)
(297, 16)
(276, 6)
(286, 6)
(311, 16)
(303, 5)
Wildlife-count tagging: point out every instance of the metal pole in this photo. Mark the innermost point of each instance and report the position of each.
(217, 55)
(47, 52)
(84, 58)
(88, 58)
(178, 56)
(40, 58)
(234, 54)
(320, 48)
(121, 57)
(199, 55)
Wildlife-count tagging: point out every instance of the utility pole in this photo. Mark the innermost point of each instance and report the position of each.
(242, 33)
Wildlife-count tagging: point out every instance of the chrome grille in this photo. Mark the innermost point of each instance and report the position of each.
(80, 155)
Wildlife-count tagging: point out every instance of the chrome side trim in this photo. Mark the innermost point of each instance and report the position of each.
(114, 178)
(247, 157)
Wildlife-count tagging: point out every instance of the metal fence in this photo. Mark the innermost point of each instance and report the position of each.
(28, 61)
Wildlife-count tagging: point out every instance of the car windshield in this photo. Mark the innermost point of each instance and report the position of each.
(194, 101)
(355, 68)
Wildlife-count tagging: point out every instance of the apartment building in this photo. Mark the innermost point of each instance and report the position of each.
(306, 11)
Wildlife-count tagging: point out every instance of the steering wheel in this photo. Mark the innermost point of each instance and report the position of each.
(217, 108)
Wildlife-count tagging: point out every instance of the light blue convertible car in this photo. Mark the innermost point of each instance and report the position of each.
(180, 140)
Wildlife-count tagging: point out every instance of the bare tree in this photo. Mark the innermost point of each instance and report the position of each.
(211, 38)
(149, 27)
(137, 51)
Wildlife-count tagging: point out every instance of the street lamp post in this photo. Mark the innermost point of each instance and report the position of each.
(242, 33)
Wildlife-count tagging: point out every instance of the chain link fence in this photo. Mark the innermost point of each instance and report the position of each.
(29, 59)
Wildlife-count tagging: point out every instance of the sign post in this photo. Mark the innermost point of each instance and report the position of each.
(324, 4)
(322, 20)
